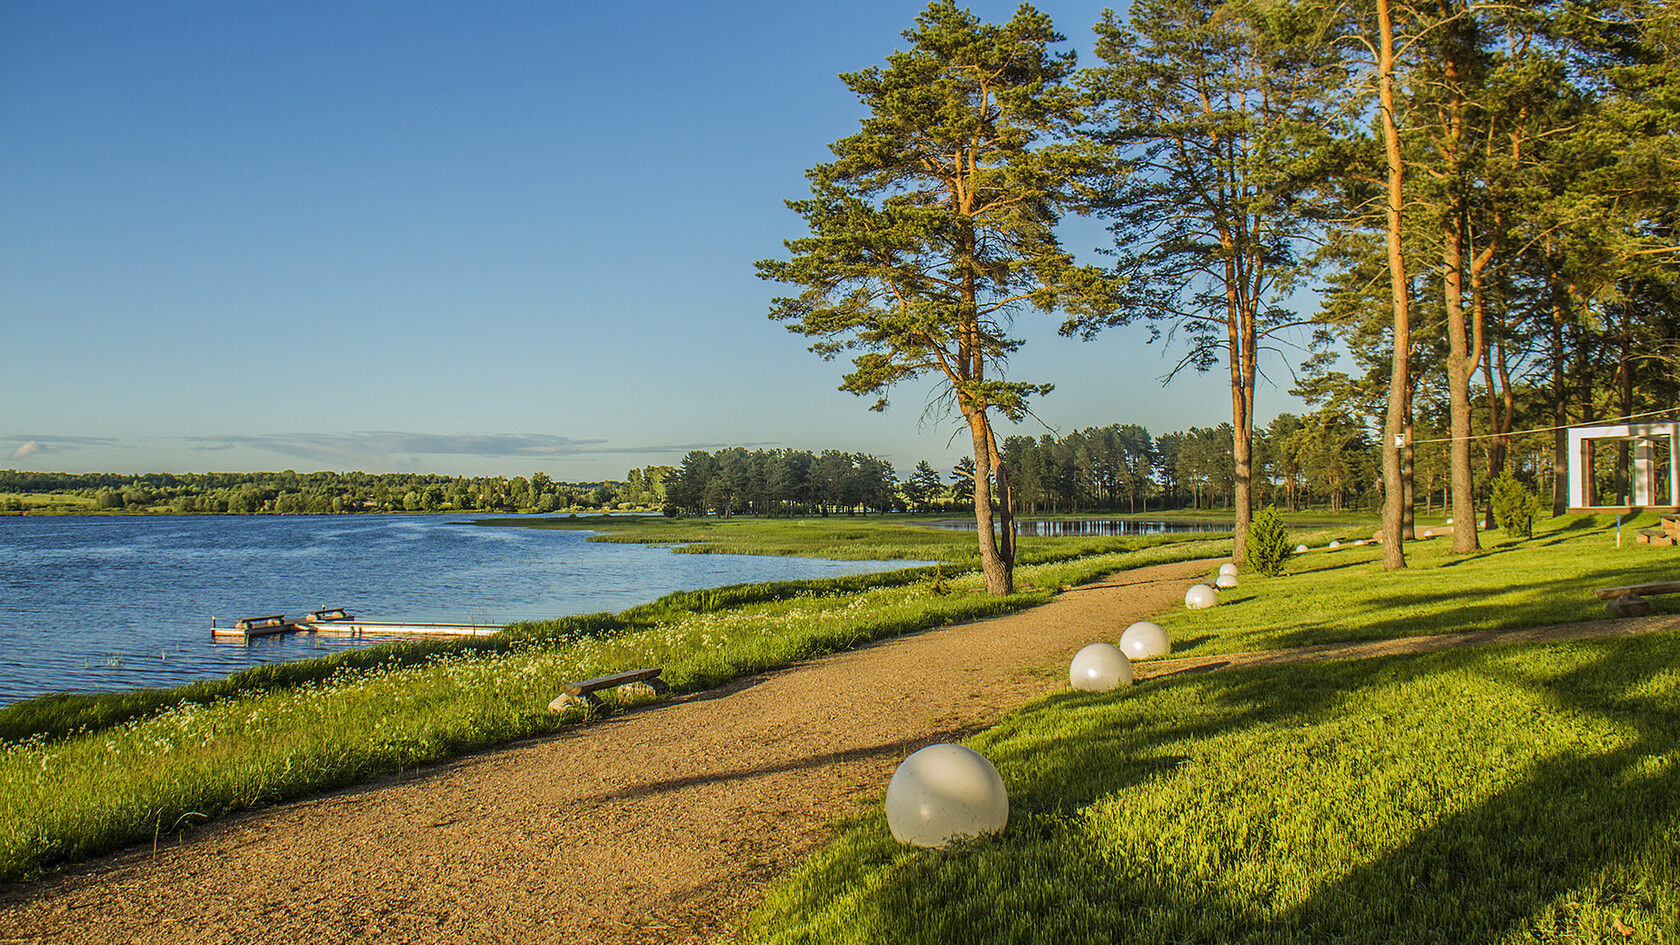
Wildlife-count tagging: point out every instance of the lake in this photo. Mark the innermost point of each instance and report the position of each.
(121, 602)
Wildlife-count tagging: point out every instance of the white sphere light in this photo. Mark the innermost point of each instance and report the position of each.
(1200, 596)
(1099, 668)
(1225, 580)
(1335, 544)
(1145, 639)
(943, 793)
(1228, 568)
(1300, 548)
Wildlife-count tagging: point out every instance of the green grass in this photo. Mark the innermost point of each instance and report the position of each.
(1344, 595)
(1502, 794)
(1495, 794)
(837, 537)
(87, 774)
(48, 504)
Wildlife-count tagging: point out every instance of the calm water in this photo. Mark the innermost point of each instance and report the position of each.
(97, 603)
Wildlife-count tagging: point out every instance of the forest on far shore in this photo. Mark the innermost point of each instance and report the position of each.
(1325, 460)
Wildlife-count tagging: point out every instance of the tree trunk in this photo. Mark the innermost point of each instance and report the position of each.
(1459, 368)
(1397, 419)
(1000, 579)
(1006, 508)
(1408, 479)
(1560, 405)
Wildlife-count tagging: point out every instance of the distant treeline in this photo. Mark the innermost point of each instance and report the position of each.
(794, 482)
(1325, 458)
(332, 492)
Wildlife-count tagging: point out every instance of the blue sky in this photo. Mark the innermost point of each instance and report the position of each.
(453, 237)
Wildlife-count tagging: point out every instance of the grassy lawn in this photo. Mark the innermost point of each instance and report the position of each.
(1503, 794)
(1342, 595)
(1520, 793)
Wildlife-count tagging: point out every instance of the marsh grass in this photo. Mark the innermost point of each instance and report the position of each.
(838, 537)
(82, 775)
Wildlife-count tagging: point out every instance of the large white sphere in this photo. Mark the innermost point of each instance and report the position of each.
(945, 792)
(1145, 639)
(1099, 668)
(1300, 548)
(1335, 544)
(1228, 568)
(1225, 580)
(1200, 596)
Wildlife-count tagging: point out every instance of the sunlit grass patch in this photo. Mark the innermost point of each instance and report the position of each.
(1344, 595)
(1501, 794)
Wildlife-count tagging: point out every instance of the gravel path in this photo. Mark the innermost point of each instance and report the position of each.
(663, 824)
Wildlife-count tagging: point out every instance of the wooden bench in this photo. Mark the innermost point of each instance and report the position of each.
(1630, 601)
(1666, 535)
(583, 693)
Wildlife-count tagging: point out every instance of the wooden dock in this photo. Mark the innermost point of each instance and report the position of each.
(338, 620)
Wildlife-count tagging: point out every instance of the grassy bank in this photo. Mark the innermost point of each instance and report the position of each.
(837, 537)
(1497, 794)
(87, 774)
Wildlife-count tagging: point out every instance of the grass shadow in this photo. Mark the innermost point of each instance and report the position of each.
(1581, 835)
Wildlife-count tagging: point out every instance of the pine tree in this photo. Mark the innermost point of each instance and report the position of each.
(934, 225)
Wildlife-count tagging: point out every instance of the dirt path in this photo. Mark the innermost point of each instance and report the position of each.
(659, 825)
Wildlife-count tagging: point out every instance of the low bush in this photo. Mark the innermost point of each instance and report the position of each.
(1514, 507)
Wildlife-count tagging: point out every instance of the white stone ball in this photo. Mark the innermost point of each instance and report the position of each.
(1449, 520)
(943, 793)
(1335, 544)
(1429, 533)
(1200, 596)
(1300, 548)
(1225, 580)
(1099, 668)
(1228, 568)
(1145, 639)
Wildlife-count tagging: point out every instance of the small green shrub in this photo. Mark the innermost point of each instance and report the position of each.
(1514, 507)
(1268, 542)
(937, 584)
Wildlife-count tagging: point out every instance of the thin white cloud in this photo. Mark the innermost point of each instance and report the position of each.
(34, 444)
(385, 449)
